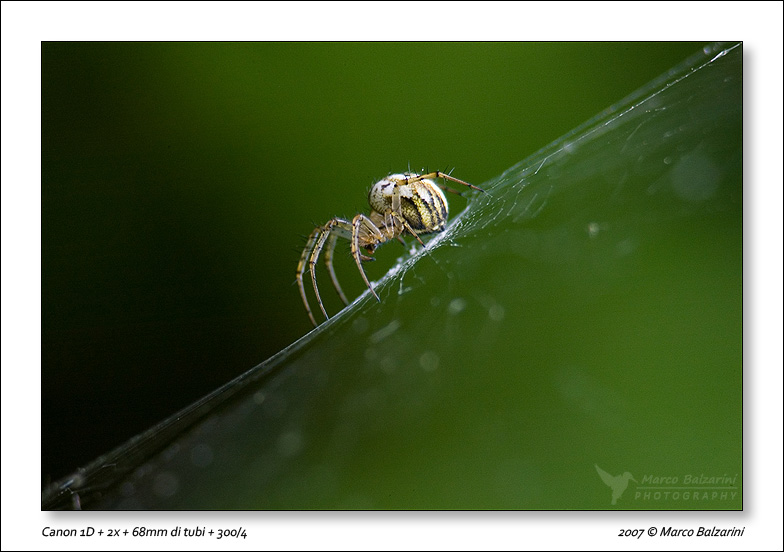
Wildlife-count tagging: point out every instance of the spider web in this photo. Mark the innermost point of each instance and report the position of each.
(611, 253)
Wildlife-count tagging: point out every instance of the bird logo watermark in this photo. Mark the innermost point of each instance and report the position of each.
(617, 483)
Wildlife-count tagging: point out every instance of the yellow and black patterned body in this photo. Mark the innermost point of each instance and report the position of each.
(401, 204)
(422, 203)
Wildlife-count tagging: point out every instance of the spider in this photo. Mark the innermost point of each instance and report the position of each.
(400, 204)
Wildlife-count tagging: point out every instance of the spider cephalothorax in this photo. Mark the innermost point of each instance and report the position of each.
(401, 204)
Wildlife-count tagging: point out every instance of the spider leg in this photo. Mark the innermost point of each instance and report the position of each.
(450, 190)
(328, 254)
(359, 223)
(312, 263)
(301, 268)
(339, 226)
(407, 226)
(444, 176)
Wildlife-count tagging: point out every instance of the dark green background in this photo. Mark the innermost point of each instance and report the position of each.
(179, 181)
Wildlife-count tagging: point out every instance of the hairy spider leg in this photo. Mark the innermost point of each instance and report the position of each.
(373, 236)
(342, 228)
(395, 215)
(301, 268)
(328, 255)
(443, 176)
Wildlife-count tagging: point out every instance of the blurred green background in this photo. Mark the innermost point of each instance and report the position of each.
(179, 182)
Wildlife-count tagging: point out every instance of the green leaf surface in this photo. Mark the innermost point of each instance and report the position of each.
(584, 314)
